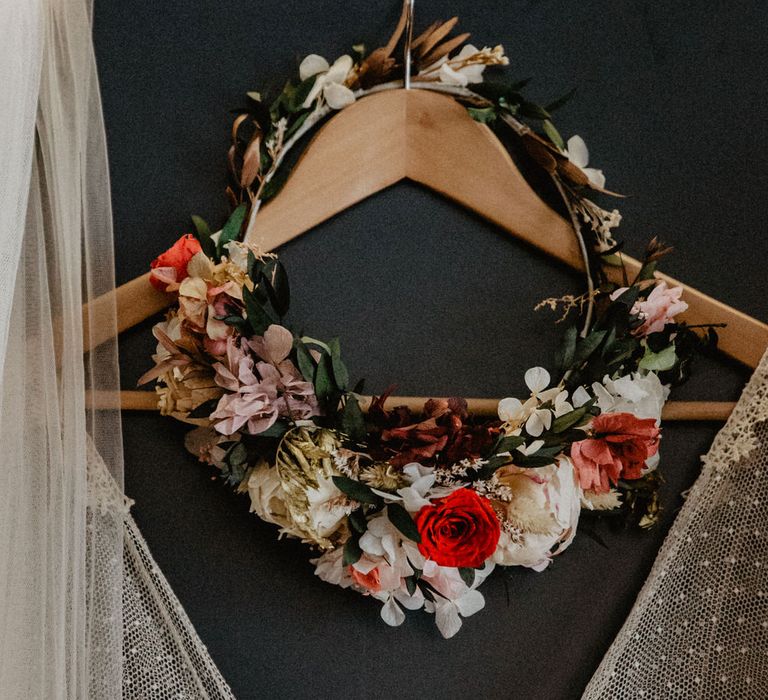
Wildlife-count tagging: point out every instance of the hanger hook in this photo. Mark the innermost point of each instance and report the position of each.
(408, 9)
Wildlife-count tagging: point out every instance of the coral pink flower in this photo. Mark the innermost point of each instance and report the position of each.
(171, 266)
(660, 308)
(370, 581)
(621, 445)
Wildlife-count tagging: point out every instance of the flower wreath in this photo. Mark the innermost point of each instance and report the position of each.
(416, 511)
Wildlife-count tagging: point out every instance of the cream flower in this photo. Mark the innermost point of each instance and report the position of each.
(466, 67)
(542, 514)
(268, 499)
(642, 395)
(329, 81)
(610, 500)
(577, 153)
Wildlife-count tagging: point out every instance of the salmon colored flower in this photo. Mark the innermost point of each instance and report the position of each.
(370, 581)
(620, 446)
(171, 266)
(459, 530)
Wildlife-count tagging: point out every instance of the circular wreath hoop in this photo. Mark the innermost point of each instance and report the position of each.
(416, 511)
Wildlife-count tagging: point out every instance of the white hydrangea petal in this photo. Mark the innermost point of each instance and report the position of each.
(312, 65)
(339, 71)
(338, 96)
(371, 544)
(392, 613)
(534, 425)
(577, 151)
(449, 76)
(595, 176)
(546, 419)
(510, 409)
(580, 397)
(537, 379)
(470, 603)
(447, 619)
(317, 88)
(410, 602)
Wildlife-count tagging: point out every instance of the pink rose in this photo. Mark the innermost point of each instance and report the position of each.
(660, 308)
(619, 448)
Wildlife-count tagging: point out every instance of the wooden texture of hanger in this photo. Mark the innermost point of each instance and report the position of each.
(428, 138)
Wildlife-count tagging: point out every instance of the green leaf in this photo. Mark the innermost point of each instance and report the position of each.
(508, 443)
(352, 551)
(295, 99)
(258, 318)
(306, 363)
(278, 288)
(567, 420)
(533, 111)
(659, 361)
(410, 585)
(203, 235)
(484, 115)
(237, 454)
(586, 346)
(467, 575)
(340, 373)
(356, 490)
(565, 353)
(231, 230)
(352, 419)
(402, 520)
(324, 384)
(357, 521)
(561, 101)
(276, 430)
(275, 183)
(554, 134)
(648, 271)
(297, 124)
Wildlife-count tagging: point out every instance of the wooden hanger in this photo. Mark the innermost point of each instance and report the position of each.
(429, 138)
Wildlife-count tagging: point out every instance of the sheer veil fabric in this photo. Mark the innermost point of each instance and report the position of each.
(699, 628)
(84, 609)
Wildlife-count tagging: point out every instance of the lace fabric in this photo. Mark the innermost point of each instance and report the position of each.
(699, 628)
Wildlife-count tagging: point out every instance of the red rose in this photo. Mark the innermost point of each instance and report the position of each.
(459, 530)
(174, 262)
(621, 445)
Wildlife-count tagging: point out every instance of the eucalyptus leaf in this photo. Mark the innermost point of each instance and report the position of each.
(659, 361)
(484, 115)
(231, 230)
(567, 350)
(402, 520)
(324, 384)
(352, 419)
(467, 575)
(356, 490)
(554, 135)
(278, 288)
(203, 235)
(586, 346)
(258, 318)
(340, 373)
(567, 420)
(352, 551)
(305, 361)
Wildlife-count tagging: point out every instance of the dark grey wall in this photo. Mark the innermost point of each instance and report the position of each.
(670, 100)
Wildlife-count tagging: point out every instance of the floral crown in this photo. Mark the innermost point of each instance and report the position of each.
(416, 511)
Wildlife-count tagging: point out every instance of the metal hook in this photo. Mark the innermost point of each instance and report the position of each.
(408, 8)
